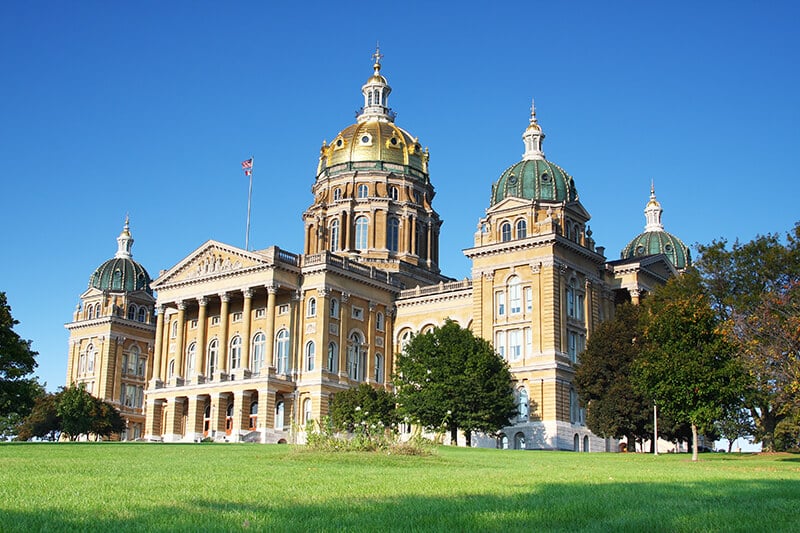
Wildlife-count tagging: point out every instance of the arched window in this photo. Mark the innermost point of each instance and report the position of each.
(334, 235)
(310, 355)
(257, 357)
(522, 405)
(337, 194)
(405, 338)
(505, 232)
(90, 356)
(131, 312)
(571, 298)
(174, 332)
(363, 191)
(142, 314)
(116, 282)
(576, 442)
(333, 357)
(362, 228)
(522, 229)
(253, 415)
(514, 295)
(355, 356)
(393, 235)
(586, 443)
(503, 442)
(379, 323)
(334, 308)
(191, 351)
(282, 352)
(307, 416)
(279, 422)
(421, 248)
(393, 192)
(379, 368)
(133, 360)
(213, 352)
(369, 98)
(171, 369)
(519, 441)
(89, 312)
(236, 352)
(312, 307)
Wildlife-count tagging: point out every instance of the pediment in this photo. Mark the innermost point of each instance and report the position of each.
(210, 260)
(508, 203)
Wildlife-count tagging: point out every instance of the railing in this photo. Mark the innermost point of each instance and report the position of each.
(327, 258)
(373, 165)
(439, 288)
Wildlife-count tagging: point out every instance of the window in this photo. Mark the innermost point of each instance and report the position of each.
(500, 299)
(236, 352)
(253, 415)
(514, 295)
(282, 352)
(131, 312)
(90, 312)
(528, 341)
(522, 229)
(307, 411)
(283, 309)
(500, 344)
(90, 355)
(519, 441)
(363, 191)
(357, 313)
(393, 235)
(333, 357)
(133, 360)
(124, 364)
(191, 350)
(174, 332)
(581, 302)
(362, 227)
(405, 338)
(257, 357)
(142, 315)
(356, 355)
(310, 355)
(379, 368)
(140, 367)
(334, 308)
(279, 422)
(82, 364)
(312, 307)
(528, 299)
(215, 320)
(334, 236)
(417, 197)
(575, 411)
(379, 324)
(237, 317)
(260, 313)
(514, 344)
(522, 405)
(171, 369)
(505, 232)
(571, 299)
(421, 248)
(337, 194)
(193, 324)
(393, 192)
(213, 352)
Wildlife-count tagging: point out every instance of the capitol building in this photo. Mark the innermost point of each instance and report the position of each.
(239, 345)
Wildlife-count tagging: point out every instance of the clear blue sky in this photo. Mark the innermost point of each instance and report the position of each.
(115, 107)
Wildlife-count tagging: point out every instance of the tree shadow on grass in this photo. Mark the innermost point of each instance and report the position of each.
(708, 506)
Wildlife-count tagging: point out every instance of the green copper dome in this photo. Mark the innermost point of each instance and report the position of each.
(535, 179)
(121, 273)
(655, 240)
(659, 242)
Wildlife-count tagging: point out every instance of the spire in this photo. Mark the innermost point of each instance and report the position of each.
(124, 241)
(652, 212)
(376, 94)
(533, 137)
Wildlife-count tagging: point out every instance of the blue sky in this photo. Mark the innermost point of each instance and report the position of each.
(147, 108)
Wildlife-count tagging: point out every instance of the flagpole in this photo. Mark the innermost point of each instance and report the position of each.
(249, 196)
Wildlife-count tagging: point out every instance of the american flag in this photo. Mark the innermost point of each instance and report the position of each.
(247, 166)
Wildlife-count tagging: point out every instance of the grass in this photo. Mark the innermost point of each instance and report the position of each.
(177, 487)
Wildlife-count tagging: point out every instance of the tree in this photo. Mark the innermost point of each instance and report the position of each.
(735, 424)
(448, 377)
(43, 420)
(77, 410)
(363, 404)
(754, 290)
(687, 365)
(105, 419)
(615, 408)
(18, 389)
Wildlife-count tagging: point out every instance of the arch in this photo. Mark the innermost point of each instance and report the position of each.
(333, 245)
(379, 322)
(132, 312)
(363, 191)
(279, 415)
(229, 418)
(141, 316)
(89, 312)
(522, 228)
(503, 441)
(258, 352)
(333, 357)
(312, 307)
(404, 336)
(356, 356)
(505, 231)
(211, 356)
(586, 443)
(427, 328)
(310, 355)
(253, 413)
(523, 405)
(334, 308)
(519, 441)
(362, 230)
(236, 352)
(191, 351)
(90, 358)
(307, 411)
(514, 295)
(282, 351)
(576, 443)
(171, 369)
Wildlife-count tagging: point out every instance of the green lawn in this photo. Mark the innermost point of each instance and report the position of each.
(176, 487)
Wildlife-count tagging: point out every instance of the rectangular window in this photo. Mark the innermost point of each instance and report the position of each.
(528, 342)
(357, 313)
(514, 299)
(237, 317)
(215, 320)
(124, 364)
(572, 347)
(261, 312)
(283, 309)
(514, 345)
(570, 302)
(528, 299)
(500, 298)
(579, 310)
(500, 343)
(193, 324)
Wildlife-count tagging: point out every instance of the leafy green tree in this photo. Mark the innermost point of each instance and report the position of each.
(18, 389)
(735, 424)
(615, 408)
(754, 289)
(106, 419)
(363, 405)
(686, 365)
(450, 378)
(43, 420)
(76, 409)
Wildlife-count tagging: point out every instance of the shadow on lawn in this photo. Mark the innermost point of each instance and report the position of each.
(707, 506)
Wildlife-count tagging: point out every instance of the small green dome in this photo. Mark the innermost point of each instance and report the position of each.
(535, 179)
(121, 274)
(659, 242)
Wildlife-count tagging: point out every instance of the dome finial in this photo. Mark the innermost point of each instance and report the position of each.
(652, 211)
(377, 56)
(124, 241)
(376, 94)
(533, 137)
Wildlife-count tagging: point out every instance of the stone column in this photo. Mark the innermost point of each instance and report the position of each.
(247, 317)
(152, 429)
(173, 432)
(588, 313)
(179, 354)
(369, 371)
(194, 419)
(324, 320)
(241, 414)
(157, 355)
(412, 235)
(200, 351)
(266, 410)
(223, 333)
(635, 295)
(429, 256)
(219, 408)
(344, 318)
(269, 332)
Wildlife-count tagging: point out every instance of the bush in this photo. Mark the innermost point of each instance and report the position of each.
(322, 436)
